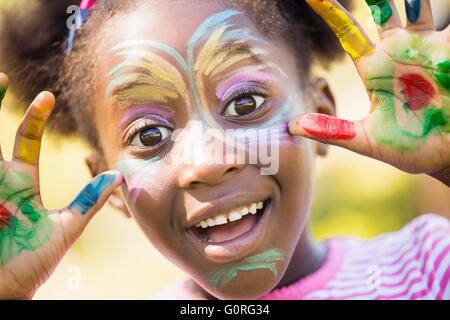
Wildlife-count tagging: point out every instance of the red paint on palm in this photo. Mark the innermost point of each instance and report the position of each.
(4, 217)
(417, 91)
(325, 127)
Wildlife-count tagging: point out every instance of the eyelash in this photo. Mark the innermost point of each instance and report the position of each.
(240, 93)
(243, 92)
(141, 126)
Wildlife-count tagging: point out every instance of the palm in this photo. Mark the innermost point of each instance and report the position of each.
(407, 78)
(33, 239)
(26, 230)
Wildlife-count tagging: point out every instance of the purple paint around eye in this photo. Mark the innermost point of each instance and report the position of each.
(142, 110)
(223, 88)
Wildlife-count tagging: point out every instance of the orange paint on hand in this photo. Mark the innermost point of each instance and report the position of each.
(351, 38)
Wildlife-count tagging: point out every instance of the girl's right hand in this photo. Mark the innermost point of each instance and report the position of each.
(33, 239)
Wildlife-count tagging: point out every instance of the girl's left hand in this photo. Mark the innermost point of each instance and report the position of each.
(407, 77)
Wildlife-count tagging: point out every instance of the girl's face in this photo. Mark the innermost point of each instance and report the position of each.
(176, 81)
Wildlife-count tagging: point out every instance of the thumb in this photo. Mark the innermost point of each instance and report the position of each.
(331, 130)
(90, 200)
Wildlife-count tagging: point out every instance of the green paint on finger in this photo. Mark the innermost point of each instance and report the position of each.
(2, 93)
(381, 11)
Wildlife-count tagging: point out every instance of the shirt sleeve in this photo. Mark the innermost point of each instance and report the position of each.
(432, 234)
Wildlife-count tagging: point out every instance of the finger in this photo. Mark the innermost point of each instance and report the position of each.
(385, 15)
(419, 15)
(75, 217)
(331, 130)
(94, 194)
(3, 87)
(28, 139)
(351, 35)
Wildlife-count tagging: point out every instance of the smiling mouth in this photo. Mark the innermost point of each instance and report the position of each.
(231, 225)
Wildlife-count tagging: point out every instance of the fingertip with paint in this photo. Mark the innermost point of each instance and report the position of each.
(293, 126)
(4, 82)
(92, 192)
(44, 104)
(412, 10)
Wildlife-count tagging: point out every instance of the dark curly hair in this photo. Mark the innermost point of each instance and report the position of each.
(32, 49)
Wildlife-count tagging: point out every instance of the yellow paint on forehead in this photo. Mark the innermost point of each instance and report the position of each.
(237, 58)
(145, 93)
(158, 67)
(220, 56)
(208, 50)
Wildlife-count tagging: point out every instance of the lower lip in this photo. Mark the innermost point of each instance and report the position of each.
(236, 248)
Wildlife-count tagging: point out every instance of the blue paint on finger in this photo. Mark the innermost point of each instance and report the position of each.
(90, 195)
(412, 10)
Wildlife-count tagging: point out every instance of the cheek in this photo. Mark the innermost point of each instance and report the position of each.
(296, 178)
(146, 187)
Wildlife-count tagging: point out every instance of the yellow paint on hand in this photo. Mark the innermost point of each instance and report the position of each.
(352, 39)
(30, 142)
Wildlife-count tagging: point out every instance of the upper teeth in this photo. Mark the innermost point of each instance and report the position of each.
(233, 215)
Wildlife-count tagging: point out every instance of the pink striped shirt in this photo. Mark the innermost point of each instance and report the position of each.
(413, 263)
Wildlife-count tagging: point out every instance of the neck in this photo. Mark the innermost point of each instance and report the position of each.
(309, 255)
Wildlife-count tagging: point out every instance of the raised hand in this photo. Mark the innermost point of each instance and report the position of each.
(32, 239)
(407, 78)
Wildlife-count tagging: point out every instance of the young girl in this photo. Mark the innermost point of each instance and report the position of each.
(147, 81)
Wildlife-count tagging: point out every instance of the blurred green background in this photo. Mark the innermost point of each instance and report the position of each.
(354, 196)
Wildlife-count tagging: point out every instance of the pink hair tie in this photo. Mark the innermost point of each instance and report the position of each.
(82, 15)
(87, 4)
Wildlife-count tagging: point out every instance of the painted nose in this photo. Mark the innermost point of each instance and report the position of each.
(206, 174)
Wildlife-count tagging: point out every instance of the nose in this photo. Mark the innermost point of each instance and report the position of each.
(206, 174)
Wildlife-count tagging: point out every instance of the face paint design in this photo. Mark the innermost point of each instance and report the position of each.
(144, 76)
(266, 260)
(90, 195)
(412, 105)
(412, 10)
(381, 11)
(225, 89)
(17, 191)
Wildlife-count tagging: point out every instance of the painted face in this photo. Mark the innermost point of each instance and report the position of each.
(163, 88)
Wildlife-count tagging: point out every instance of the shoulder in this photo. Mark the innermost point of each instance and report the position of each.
(412, 263)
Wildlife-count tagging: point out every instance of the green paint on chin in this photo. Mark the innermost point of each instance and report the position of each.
(381, 11)
(17, 189)
(265, 260)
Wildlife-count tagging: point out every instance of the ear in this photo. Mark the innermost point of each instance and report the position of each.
(322, 101)
(97, 165)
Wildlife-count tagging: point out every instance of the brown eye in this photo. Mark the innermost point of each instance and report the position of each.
(244, 105)
(151, 136)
